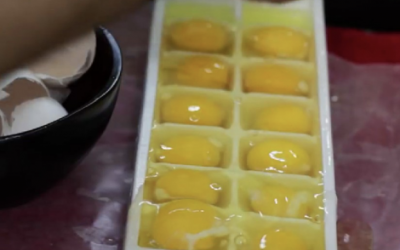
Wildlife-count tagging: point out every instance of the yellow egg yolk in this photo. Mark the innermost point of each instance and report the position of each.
(278, 240)
(186, 184)
(279, 156)
(204, 72)
(280, 202)
(279, 42)
(190, 109)
(199, 35)
(190, 150)
(275, 79)
(284, 118)
(183, 225)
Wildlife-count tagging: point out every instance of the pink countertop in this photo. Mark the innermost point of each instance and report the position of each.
(86, 211)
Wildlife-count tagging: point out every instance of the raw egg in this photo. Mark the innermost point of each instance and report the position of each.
(186, 184)
(278, 240)
(280, 202)
(275, 79)
(192, 109)
(279, 156)
(199, 35)
(204, 72)
(186, 225)
(284, 118)
(190, 150)
(279, 42)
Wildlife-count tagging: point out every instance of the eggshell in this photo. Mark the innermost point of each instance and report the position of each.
(59, 94)
(17, 88)
(66, 64)
(35, 113)
(4, 127)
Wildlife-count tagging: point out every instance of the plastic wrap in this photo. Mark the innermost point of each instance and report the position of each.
(365, 100)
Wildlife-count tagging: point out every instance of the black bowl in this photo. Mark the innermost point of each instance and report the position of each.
(32, 162)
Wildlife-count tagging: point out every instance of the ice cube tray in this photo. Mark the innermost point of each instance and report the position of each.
(237, 134)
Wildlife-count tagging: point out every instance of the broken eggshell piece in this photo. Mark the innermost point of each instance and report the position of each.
(59, 94)
(4, 126)
(67, 63)
(17, 88)
(36, 113)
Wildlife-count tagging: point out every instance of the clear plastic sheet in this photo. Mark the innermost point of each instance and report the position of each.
(87, 210)
(365, 101)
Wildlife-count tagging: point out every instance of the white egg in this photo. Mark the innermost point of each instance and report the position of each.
(35, 113)
(66, 64)
(17, 88)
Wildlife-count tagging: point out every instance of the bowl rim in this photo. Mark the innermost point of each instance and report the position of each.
(112, 81)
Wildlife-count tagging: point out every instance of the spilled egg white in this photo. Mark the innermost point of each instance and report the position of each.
(35, 113)
(60, 67)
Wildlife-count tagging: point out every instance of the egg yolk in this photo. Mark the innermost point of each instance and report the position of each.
(193, 110)
(190, 150)
(199, 35)
(183, 224)
(279, 42)
(187, 184)
(204, 72)
(280, 202)
(279, 156)
(278, 240)
(275, 79)
(284, 118)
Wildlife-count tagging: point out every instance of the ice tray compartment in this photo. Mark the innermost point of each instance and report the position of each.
(242, 216)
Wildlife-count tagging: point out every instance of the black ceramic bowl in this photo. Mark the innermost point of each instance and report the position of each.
(32, 162)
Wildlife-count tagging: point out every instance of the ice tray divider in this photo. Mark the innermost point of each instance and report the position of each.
(236, 132)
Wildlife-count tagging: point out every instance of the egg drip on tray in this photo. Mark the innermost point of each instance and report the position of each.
(32, 96)
(234, 158)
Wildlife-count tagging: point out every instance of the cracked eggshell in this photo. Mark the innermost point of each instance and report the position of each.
(59, 94)
(35, 113)
(66, 64)
(17, 88)
(4, 126)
